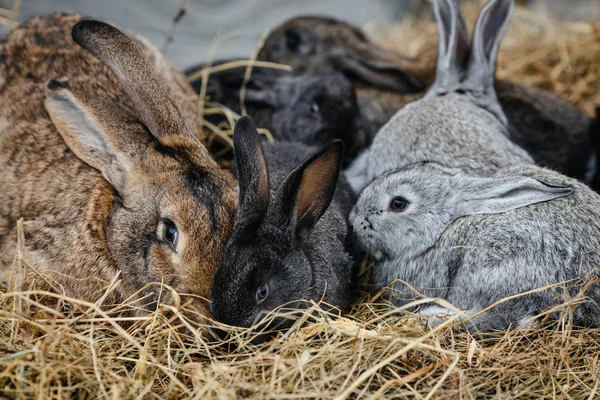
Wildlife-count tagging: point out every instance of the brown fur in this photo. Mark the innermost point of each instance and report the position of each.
(78, 227)
(554, 132)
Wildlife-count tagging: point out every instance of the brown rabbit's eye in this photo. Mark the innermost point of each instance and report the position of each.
(399, 204)
(292, 40)
(314, 108)
(262, 292)
(170, 233)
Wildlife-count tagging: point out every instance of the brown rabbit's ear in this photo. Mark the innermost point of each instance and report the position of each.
(308, 190)
(370, 64)
(90, 138)
(135, 73)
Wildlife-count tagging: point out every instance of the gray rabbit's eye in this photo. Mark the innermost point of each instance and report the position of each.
(399, 204)
(170, 234)
(262, 292)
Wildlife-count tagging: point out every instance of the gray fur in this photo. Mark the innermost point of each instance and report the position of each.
(459, 122)
(474, 240)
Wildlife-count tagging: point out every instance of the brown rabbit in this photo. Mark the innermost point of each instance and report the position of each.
(555, 133)
(107, 174)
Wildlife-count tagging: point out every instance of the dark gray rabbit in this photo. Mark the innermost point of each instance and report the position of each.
(289, 241)
(459, 122)
(475, 240)
(554, 132)
(310, 109)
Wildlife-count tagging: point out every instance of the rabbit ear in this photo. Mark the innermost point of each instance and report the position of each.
(91, 138)
(267, 97)
(253, 176)
(135, 73)
(260, 88)
(453, 46)
(499, 195)
(487, 35)
(308, 190)
(367, 64)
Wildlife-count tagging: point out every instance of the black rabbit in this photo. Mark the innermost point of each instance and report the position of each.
(310, 109)
(289, 242)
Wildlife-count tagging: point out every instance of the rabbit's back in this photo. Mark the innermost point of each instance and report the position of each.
(446, 130)
(554, 234)
(529, 248)
(554, 132)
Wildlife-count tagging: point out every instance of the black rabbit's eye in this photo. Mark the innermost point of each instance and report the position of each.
(292, 40)
(262, 292)
(314, 108)
(399, 204)
(170, 234)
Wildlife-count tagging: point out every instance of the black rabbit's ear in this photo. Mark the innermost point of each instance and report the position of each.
(309, 189)
(262, 96)
(252, 174)
(371, 69)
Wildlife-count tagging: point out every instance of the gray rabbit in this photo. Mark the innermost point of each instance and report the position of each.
(554, 132)
(474, 240)
(459, 122)
(289, 241)
(310, 109)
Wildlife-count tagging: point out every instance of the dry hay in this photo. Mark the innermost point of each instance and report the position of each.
(66, 348)
(75, 349)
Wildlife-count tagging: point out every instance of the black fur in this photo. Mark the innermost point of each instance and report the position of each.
(283, 103)
(298, 250)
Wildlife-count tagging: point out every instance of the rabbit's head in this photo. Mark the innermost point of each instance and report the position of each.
(314, 110)
(310, 109)
(267, 264)
(169, 208)
(403, 213)
(324, 45)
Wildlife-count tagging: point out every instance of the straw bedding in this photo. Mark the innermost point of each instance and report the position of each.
(55, 347)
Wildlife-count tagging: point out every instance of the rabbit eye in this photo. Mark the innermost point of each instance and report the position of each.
(292, 40)
(399, 204)
(170, 234)
(314, 108)
(262, 292)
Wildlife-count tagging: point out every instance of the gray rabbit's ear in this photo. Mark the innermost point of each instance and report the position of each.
(308, 190)
(498, 195)
(453, 46)
(89, 132)
(254, 195)
(369, 65)
(488, 33)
